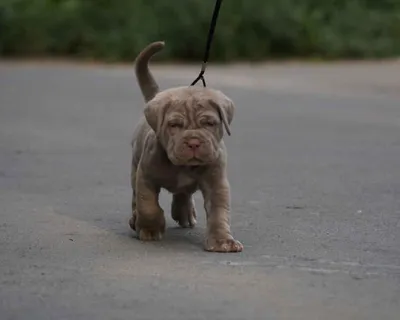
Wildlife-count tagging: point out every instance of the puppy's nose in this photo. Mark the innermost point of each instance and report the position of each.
(193, 143)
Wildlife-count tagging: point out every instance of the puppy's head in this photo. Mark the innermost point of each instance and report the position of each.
(190, 122)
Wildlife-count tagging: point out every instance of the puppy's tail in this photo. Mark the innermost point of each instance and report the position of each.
(147, 84)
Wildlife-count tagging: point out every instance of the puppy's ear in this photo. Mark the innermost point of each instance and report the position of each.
(154, 113)
(225, 108)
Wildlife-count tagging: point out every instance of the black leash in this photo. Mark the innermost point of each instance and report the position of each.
(208, 46)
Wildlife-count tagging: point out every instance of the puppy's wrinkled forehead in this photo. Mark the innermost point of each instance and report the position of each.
(189, 102)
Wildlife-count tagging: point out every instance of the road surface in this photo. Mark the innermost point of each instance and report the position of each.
(314, 164)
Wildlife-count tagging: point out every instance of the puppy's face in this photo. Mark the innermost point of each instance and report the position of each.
(189, 123)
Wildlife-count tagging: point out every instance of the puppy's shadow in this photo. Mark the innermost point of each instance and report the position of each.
(113, 217)
(176, 236)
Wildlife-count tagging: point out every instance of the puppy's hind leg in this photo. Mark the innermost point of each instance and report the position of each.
(183, 211)
(132, 220)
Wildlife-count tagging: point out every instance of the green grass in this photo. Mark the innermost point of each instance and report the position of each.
(247, 29)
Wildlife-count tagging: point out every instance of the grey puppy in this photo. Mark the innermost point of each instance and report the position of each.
(178, 146)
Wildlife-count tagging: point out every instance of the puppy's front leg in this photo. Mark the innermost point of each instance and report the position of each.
(216, 193)
(150, 220)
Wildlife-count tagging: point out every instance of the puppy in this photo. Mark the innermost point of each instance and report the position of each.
(178, 146)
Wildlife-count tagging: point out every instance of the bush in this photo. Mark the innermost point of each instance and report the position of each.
(246, 30)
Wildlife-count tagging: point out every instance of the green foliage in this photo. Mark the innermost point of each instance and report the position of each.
(246, 30)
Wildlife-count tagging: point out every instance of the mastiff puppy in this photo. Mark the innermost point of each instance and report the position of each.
(178, 146)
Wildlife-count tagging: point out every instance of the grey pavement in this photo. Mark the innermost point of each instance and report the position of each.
(314, 164)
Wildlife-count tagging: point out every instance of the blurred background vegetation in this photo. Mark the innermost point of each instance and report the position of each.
(247, 29)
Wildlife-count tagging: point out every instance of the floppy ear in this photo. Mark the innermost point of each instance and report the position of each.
(226, 110)
(154, 113)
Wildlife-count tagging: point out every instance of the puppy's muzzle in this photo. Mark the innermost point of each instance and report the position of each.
(193, 144)
(192, 147)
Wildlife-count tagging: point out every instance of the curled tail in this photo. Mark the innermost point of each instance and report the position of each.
(147, 84)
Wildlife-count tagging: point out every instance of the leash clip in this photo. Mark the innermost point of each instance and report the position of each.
(208, 45)
(201, 75)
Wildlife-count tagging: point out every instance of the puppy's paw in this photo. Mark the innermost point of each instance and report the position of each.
(132, 222)
(185, 219)
(149, 229)
(150, 235)
(222, 245)
(192, 218)
(184, 213)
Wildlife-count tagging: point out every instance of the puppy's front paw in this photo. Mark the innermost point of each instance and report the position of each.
(150, 229)
(222, 245)
(150, 235)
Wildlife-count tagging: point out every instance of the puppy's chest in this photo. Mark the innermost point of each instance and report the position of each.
(184, 180)
(180, 182)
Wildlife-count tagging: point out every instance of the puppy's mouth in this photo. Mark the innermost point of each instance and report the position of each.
(195, 162)
(191, 162)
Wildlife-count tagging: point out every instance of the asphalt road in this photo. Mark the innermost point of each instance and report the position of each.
(314, 164)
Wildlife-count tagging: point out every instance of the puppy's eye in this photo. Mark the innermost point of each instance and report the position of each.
(175, 125)
(210, 123)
